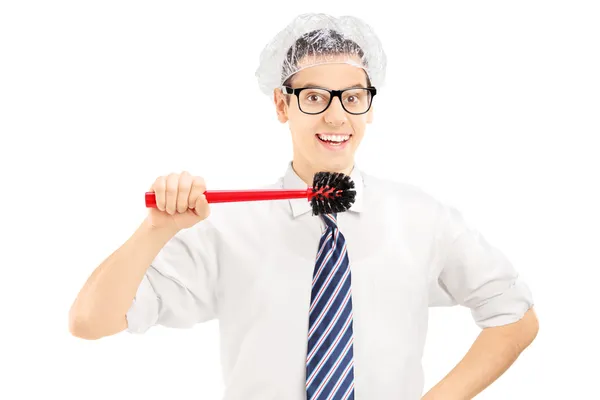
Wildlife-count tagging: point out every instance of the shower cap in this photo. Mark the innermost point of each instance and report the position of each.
(314, 39)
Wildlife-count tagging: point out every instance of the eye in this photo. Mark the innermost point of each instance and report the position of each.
(355, 96)
(314, 97)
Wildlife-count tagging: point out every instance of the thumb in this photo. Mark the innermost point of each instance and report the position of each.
(200, 205)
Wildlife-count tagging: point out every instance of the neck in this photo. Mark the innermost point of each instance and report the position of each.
(306, 171)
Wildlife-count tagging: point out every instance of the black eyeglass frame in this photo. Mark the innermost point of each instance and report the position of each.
(332, 93)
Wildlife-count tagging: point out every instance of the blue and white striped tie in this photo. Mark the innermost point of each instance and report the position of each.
(330, 358)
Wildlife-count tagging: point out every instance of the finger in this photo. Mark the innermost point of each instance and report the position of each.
(171, 193)
(183, 194)
(201, 207)
(159, 188)
(198, 188)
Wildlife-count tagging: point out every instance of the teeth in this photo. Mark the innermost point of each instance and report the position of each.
(334, 138)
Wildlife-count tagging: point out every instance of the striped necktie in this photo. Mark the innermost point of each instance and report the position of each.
(330, 356)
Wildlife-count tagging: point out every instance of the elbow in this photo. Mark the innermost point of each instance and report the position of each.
(83, 326)
(80, 329)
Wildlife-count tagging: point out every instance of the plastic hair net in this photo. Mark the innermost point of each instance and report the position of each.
(314, 39)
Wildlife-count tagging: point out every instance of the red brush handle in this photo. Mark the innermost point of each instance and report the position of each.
(226, 196)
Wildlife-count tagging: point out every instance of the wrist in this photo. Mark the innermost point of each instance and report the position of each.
(159, 234)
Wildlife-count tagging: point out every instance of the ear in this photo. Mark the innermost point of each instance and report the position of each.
(280, 105)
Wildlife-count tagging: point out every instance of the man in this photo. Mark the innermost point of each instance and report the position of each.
(331, 307)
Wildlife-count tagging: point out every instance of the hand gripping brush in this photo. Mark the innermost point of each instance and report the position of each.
(331, 192)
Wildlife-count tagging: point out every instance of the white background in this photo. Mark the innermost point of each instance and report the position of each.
(490, 106)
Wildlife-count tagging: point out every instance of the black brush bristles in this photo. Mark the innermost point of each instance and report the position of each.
(333, 192)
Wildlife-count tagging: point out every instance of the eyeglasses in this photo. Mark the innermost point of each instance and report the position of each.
(315, 100)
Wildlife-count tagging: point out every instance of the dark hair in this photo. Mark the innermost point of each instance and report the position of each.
(329, 42)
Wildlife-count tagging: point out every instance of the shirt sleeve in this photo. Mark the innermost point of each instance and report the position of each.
(473, 273)
(178, 288)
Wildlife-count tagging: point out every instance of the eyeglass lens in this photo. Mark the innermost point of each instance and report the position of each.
(316, 100)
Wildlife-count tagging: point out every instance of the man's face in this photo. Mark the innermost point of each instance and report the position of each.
(316, 137)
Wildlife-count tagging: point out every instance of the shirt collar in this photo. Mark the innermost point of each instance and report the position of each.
(291, 180)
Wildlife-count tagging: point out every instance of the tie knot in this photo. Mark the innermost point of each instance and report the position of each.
(330, 220)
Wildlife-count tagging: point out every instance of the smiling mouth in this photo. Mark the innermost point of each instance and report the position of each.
(334, 140)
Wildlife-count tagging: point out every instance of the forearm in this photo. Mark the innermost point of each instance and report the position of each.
(100, 307)
(492, 353)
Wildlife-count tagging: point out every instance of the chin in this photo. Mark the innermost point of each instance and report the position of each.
(336, 165)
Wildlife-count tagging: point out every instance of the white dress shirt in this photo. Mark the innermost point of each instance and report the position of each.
(251, 266)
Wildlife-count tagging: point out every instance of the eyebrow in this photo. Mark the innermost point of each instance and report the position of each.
(357, 86)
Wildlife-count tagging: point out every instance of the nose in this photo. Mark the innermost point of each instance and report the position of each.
(335, 113)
